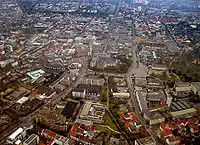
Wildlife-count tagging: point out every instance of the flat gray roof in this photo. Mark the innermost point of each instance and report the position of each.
(180, 105)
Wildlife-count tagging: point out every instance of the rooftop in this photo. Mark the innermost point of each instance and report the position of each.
(180, 105)
(153, 81)
(30, 138)
(96, 89)
(154, 115)
(155, 96)
(146, 141)
(129, 118)
(159, 66)
(18, 93)
(69, 109)
(35, 74)
(78, 89)
(16, 133)
(196, 85)
(22, 100)
(182, 84)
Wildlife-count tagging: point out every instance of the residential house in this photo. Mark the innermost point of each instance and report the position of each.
(173, 140)
(166, 132)
(145, 141)
(168, 136)
(114, 141)
(83, 130)
(129, 119)
(49, 136)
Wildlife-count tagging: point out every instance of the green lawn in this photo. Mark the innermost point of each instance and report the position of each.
(109, 122)
(104, 94)
(104, 129)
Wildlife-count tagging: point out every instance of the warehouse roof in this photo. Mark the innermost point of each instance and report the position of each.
(16, 133)
(22, 100)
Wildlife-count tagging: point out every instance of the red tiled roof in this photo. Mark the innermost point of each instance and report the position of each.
(92, 128)
(131, 117)
(127, 124)
(166, 131)
(184, 135)
(162, 101)
(194, 119)
(126, 117)
(162, 125)
(182, 126)
(122, 115)
(172, 125)
(195, 127)
(50, 133)
(134, 117)
(188, 125)
(73, 131)
(164, 134)
(184, 121)
(199, 118)
(174, 138)
(80, 130)
(82, 126)
(51, 142)
(164, 128)
(190, 121)
(158, 107)
(178, 122)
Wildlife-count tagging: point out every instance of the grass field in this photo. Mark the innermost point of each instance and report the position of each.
(109, 122)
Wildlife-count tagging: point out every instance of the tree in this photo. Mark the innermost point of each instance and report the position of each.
(165, 76)
(182, 78)
(195, 99)
(175, 132)
(104, 94)
(144, 132)
(171, 83)
(198, 109)
(111, 81)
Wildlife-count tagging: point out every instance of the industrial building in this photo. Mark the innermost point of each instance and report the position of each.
(32, 140)
(17, 136)
(93, 111)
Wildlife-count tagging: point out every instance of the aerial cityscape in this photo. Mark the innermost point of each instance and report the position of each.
(99, 72)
